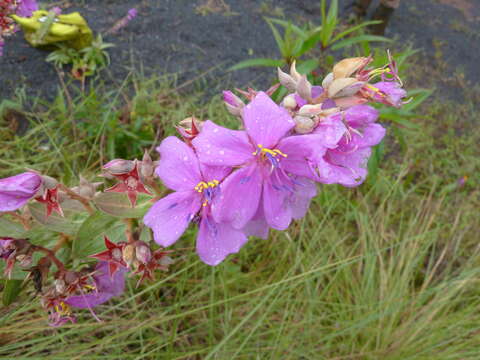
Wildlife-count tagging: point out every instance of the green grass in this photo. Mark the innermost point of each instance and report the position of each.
(389, 270)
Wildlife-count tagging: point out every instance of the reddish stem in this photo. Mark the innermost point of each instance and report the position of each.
(51, 255)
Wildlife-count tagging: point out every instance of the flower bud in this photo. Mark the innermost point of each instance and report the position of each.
(146, 166)
(49, 182)
(86, 188)
(310, 110)
(304, 88)
(119, 166)
(338, 85)
(294, 73)
(128, 254)
(60, 286)
(231, 99)
(189, 128)
(286, 80)
(233, 103)
(303, 124)
(289, 102)
(346, 67)
(327, 81)
(143, 253)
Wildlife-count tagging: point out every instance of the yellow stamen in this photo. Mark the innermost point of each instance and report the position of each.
(262, 150)
(63, 309)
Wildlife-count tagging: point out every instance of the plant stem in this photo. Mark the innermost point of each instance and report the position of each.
(50, 254)
(72, 194)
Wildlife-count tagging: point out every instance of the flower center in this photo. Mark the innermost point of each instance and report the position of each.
(207, 189)
(271, 155)
(63, 309)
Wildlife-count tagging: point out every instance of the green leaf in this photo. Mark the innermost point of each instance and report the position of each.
(118, 205)
(310, 42)
(299, 31)
(306, 67)
(355, 28)
(278, 38)
(257, 62)
(11, 291)
(358, 39)
(419, 96)
(9, 228)
(56, 222)
(89, 238)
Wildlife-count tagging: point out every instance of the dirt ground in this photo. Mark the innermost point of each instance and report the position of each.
(190, 38)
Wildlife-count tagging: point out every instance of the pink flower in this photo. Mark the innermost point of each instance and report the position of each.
(16, 191)
(196, 188)
(271, 164)
(346, 162)
(390, 93)
(104, 286)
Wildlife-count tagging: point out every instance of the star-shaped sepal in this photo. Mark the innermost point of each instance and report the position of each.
(113, 256)
(130, 183)
(158, 261)
(51, 201)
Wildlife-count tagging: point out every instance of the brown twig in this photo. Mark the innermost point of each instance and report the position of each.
(50, 254)
(129, 230)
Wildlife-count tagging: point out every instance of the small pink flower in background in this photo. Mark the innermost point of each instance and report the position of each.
(16, 191)
(123, 22)
(462, 181)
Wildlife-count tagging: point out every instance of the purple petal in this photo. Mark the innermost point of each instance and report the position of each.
(300, 151)
(216, 241)
(178, 167)
(278, 213)
(239, 197)
(331, 129)
(348, 169)
(361, 115)
(305, 190)
(393, 91)
(266, 122)
(106, 288)
(371, 136)
(257, 226)
(216, 145)
(169, 217)
(15, 191)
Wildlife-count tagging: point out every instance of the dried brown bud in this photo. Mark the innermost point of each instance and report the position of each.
(128, 254)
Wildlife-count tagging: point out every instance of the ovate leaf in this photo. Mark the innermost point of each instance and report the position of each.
(116, 204)
(89, 238)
